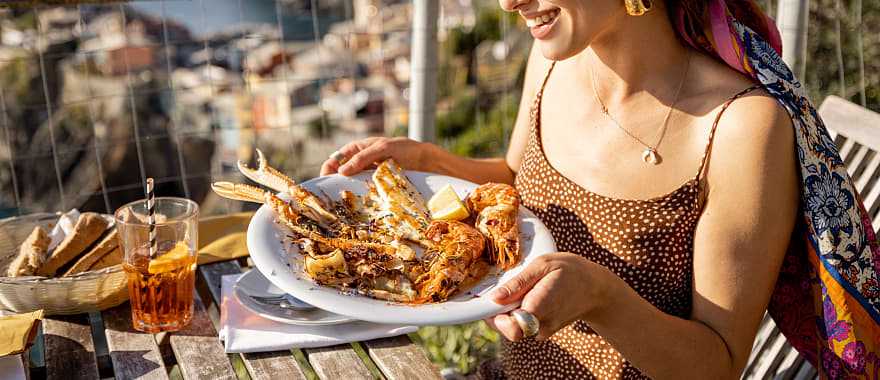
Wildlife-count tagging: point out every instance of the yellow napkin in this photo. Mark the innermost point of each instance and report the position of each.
(18, 331)
(223, 237)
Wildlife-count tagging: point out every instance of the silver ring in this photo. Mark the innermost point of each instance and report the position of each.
(527, 322)
(338, 156)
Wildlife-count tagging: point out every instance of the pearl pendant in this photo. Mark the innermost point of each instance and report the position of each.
(650, 156)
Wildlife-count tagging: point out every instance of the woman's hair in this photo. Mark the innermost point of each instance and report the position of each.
(707, 25)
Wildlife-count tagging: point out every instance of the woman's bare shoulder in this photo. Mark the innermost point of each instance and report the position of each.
(715, 84)
(754, 132)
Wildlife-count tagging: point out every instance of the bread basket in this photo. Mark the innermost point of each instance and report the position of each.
(80, 293)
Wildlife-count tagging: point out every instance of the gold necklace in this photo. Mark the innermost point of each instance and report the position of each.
(649, 155)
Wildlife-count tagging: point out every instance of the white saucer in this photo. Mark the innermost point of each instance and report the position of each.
(253, 283)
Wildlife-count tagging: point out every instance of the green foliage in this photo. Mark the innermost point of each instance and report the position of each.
(482, 134)
(461, 41)
(462, 347)
(15, 77)
(459, 118)
(823, 68)
(25, 21)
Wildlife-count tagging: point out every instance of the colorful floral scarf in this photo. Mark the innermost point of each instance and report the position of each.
(827, 297)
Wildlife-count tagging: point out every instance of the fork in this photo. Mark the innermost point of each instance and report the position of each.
(284, 301)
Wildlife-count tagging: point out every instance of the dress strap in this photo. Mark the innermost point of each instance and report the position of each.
(708, 150)
(544, 84)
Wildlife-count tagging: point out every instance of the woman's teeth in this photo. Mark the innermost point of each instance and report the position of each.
(542, 19)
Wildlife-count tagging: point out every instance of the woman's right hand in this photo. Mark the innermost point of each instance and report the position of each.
(362, 154)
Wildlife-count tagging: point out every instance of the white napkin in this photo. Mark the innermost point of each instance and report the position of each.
(65, 225)
(243, 331)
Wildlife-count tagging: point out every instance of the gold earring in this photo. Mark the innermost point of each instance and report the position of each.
(638, 7)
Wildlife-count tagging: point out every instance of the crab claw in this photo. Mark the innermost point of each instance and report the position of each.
(239, 192)
(266, 175)
(270, 177)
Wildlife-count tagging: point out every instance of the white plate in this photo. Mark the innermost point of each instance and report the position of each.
(255, 284)
(264, 240)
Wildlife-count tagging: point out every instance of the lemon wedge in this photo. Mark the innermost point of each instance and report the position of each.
(446, 205)
(175, 258)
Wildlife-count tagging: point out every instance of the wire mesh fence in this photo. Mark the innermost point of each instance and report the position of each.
(97, 96)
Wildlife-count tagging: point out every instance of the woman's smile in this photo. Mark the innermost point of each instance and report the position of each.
(541, 23)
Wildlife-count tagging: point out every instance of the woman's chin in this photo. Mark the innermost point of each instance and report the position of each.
(555, 51)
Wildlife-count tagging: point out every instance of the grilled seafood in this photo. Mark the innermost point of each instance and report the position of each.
(496, 206)
(289, 215)
(404, 210)
(459, 248)
(384, 278)
(363, 243)
(270, 177)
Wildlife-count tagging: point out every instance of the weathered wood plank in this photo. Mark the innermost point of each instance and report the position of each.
(134, 354)
(198, 351)
(211, 276)
(763, 339)
(102, 353)
(851, 120)
(847, 149)
(806, 372)
(266, 365)
(857, 165)
(769, 360)
(399, 358)
(872, 204)
(789, 366)
(272, 365)
(69, 350)
(337, 362)
(869, 175)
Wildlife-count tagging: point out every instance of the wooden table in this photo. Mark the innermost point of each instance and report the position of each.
(104, 345)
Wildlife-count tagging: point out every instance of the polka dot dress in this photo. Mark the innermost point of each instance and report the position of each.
(648, 243)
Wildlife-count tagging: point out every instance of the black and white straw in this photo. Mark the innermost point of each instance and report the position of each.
(151, 215)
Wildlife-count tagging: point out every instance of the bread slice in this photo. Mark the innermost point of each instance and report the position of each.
(89, 228)
(31, 255)
(86, 261)
(109, 260)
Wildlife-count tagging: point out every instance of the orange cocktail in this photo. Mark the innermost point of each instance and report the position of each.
(161, 279)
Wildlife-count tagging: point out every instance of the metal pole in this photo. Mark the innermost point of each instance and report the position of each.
(792, 17)
(423, 78)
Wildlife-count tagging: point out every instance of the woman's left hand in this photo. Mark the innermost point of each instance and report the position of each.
(557, 289)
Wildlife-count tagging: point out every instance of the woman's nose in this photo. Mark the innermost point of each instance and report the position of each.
(513, 5)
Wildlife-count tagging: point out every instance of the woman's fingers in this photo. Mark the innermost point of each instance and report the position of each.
(507, 326)
(331, 164)
(514, 289)
(377, 151)
(539, 303)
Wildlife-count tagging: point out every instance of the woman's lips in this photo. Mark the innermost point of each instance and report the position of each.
(541, 25)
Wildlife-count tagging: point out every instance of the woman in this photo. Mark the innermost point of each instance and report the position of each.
(671, 181)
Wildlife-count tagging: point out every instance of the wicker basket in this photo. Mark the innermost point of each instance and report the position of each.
(84, 292)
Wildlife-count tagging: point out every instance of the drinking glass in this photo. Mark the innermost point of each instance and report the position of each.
(161, 278)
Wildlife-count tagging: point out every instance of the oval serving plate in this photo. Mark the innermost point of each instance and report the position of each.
(283, 265)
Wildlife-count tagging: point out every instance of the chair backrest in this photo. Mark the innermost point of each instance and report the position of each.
(856, 131)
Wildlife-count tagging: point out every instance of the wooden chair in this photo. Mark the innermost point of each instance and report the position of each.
(856, 131)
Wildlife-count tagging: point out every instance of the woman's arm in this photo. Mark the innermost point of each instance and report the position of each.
(432, 158)
(739, 245)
